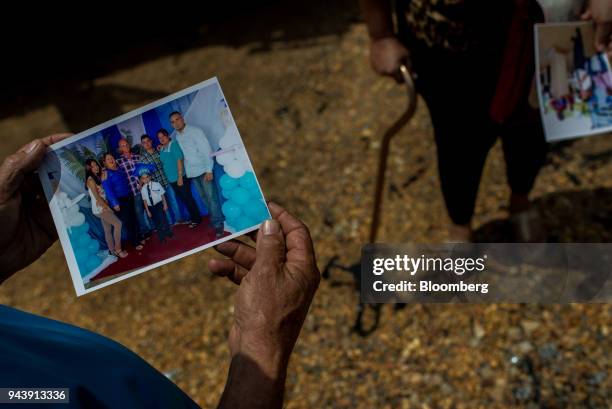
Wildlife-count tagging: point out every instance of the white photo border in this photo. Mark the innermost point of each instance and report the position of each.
(597, 131)
(58, 219)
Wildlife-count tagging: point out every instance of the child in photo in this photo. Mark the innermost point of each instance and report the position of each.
(156, 206)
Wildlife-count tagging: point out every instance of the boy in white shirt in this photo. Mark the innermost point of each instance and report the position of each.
(155, 205)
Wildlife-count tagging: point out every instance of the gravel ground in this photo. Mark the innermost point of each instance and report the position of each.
(311, 112)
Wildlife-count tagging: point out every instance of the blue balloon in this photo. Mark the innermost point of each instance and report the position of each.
(226, 193)
(93, 246)
(80, 229)
(81, 256)
(82, 240)
(256, 210)
(242, 222)
(227, 182)
(240, 195)
(231, 210)
(255, 194)
(248, 181)
(92, 263)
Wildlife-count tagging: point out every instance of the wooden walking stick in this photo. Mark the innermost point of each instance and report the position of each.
(384, 150)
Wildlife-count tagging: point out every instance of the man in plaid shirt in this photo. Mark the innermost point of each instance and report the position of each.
(128, 161)
(150, 155)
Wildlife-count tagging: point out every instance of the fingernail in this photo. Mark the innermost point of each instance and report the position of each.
(270, 227)
(31, 146)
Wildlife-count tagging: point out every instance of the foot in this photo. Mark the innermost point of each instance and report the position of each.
(139, 247)
(219, 232)
(193, 225)
(121, 253)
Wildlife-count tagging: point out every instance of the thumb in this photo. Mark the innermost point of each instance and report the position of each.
(16, 166)
(270, 244)
(587, 15)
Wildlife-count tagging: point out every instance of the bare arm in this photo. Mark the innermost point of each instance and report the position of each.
(179, 166)
(378, 17)
(94, 189)
(387, 53)
(249, 385)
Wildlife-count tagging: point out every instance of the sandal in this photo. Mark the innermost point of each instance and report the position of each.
(121, 253)
(139, 247)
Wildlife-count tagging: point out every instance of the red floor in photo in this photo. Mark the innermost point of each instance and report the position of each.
(184, 239)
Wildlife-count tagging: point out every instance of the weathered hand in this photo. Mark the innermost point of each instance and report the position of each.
(600, 11)
(387, 54)
(28, 228)
(277, 281)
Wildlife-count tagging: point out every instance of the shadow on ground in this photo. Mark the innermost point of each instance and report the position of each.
(67, 52)
(580, 216)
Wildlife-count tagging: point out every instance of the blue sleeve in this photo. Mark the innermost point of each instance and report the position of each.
(110, 193)
(97, 371)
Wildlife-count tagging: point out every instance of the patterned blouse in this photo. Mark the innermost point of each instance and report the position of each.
(154, 159)
(128, 166)
(455, 25)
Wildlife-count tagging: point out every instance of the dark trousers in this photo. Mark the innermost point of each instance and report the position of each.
(159, 219)
(127, 215)
(458, 89)
(184, 193)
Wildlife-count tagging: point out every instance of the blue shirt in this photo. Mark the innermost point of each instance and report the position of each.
(116, 185)
(100, 373)
(169, 156)
(196, 149)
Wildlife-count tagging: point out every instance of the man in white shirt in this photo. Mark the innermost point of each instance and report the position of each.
(199, 167)
(155, 205)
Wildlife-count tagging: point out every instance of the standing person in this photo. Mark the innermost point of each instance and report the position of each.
(459, 50)
(128, 161)
(120, 197)
(150, 155)
(199, 167)
(155, 204)
(171, 156)
(94, 176)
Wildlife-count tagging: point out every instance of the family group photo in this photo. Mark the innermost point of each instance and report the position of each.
(575, 82)
(149, 187)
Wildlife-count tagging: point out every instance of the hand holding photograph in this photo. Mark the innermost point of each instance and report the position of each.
(151, 186)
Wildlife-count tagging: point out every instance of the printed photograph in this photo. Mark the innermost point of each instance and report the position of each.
(574, 81)
(151, 186)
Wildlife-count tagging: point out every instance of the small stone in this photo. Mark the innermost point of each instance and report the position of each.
(548, 352)
(479, 331)
(525, 347)
(529, 326)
